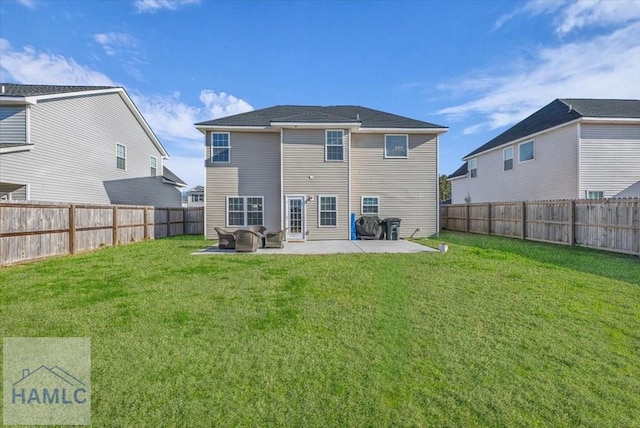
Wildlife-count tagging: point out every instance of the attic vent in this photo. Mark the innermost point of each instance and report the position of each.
(357, 115)
(570, 108)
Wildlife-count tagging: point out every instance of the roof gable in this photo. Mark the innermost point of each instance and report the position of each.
(561, 111)
(368, 118)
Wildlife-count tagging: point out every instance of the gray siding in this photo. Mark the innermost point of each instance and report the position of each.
(407, 188)
(13, 125)
(553, 174)
(73, 157)
(254, 170)
(610, 160)
(303, 157)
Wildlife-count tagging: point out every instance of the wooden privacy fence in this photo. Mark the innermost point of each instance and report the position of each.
(30, 231)
(607, 224)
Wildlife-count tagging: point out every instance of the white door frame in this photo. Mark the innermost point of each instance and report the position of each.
(295, 233)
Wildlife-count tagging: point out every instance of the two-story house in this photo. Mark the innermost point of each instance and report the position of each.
(195, 196)
(85, 144)
(569, 149)
(307, 168)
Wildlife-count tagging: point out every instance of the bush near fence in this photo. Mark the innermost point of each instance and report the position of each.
(606, 224)
(31, 230)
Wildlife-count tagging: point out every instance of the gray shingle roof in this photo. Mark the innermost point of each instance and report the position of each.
(556, 113)
(16, 90)
(368, 118)
(167, 174)
(562, 111)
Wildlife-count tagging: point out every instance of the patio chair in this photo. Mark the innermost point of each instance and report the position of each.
(259, 229)
(226, 240)
(274, 240)
(247, 241)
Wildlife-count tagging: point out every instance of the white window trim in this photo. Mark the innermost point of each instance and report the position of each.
(587, 192)
(471, 169)
(126, 163)
(245, 210)
(362, 204)
(533, 143)
(385, 146)
(319, 210)
(211, 146)
(156, 167)
(504, 158)
(326, 144)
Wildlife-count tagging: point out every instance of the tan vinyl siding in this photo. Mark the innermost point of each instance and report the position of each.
(303, 157)
(73, 158)
(13, 125)
(552, 174)
(407, 188)
(610, 160)
(254, 170)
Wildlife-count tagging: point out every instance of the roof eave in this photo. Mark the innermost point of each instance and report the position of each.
(205, 128)
(457, 177)
(315, 125)
(623, 120)
(16, 101)
(390, 130)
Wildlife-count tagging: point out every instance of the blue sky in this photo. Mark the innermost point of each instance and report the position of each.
(477, 67)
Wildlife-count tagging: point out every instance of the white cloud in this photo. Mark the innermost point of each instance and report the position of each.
(31, 4)
(223, 104)
(112, 42)
(602, 67)
(155, 5)
(30, 66)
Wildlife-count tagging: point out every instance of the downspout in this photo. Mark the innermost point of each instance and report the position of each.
(282, 201)
(437, 187)
(579, 161)
(349, 184)
(206, 156)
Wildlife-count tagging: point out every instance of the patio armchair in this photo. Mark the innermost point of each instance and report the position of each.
(259, 229)
(226, 240)
(247, 240)
(274, 240)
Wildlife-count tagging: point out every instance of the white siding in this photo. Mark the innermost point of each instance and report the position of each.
(303, 157)
(13, 128)
(254, 170)
(553, 174)
(610, 160)
(407, 188)
(73, 157)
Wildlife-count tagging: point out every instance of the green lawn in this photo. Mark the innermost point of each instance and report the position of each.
(496, 332)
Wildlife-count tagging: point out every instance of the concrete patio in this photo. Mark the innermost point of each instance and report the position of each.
(332, 247)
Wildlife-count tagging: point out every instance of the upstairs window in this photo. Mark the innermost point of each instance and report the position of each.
(370, 205)
(507, 156)
(328, 211)
(396, 146)
(121, 157)
(197, 197)
(526, 151)
(154, 166)
(333, 146)
(473, 167)
(220, 147)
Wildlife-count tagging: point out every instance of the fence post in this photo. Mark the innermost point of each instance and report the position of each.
(488, 218)
(114, 237)
(572, 222)
(144, 220)
(467, 228)
(184, 221)
(523, 219)
(72, 229)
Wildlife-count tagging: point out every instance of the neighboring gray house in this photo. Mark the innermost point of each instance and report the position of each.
(307, 168)
(195, 197)
(569, 149)
(85, 144)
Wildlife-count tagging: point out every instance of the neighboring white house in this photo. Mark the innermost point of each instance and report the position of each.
(308, 168)
(569, 149)
(195, 197)
(85, 144)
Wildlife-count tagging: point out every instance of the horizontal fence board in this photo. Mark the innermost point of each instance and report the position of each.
(32, 230)
(607, 224)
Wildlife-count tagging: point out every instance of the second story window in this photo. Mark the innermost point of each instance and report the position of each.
(197, 197)
(334, 146)
(121, 157)
(526, 151)
(220, 147)
(396, 146)
(473, 167)
(154, 166)
(507, 156)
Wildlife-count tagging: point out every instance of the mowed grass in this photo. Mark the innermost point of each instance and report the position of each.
(496, 332)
